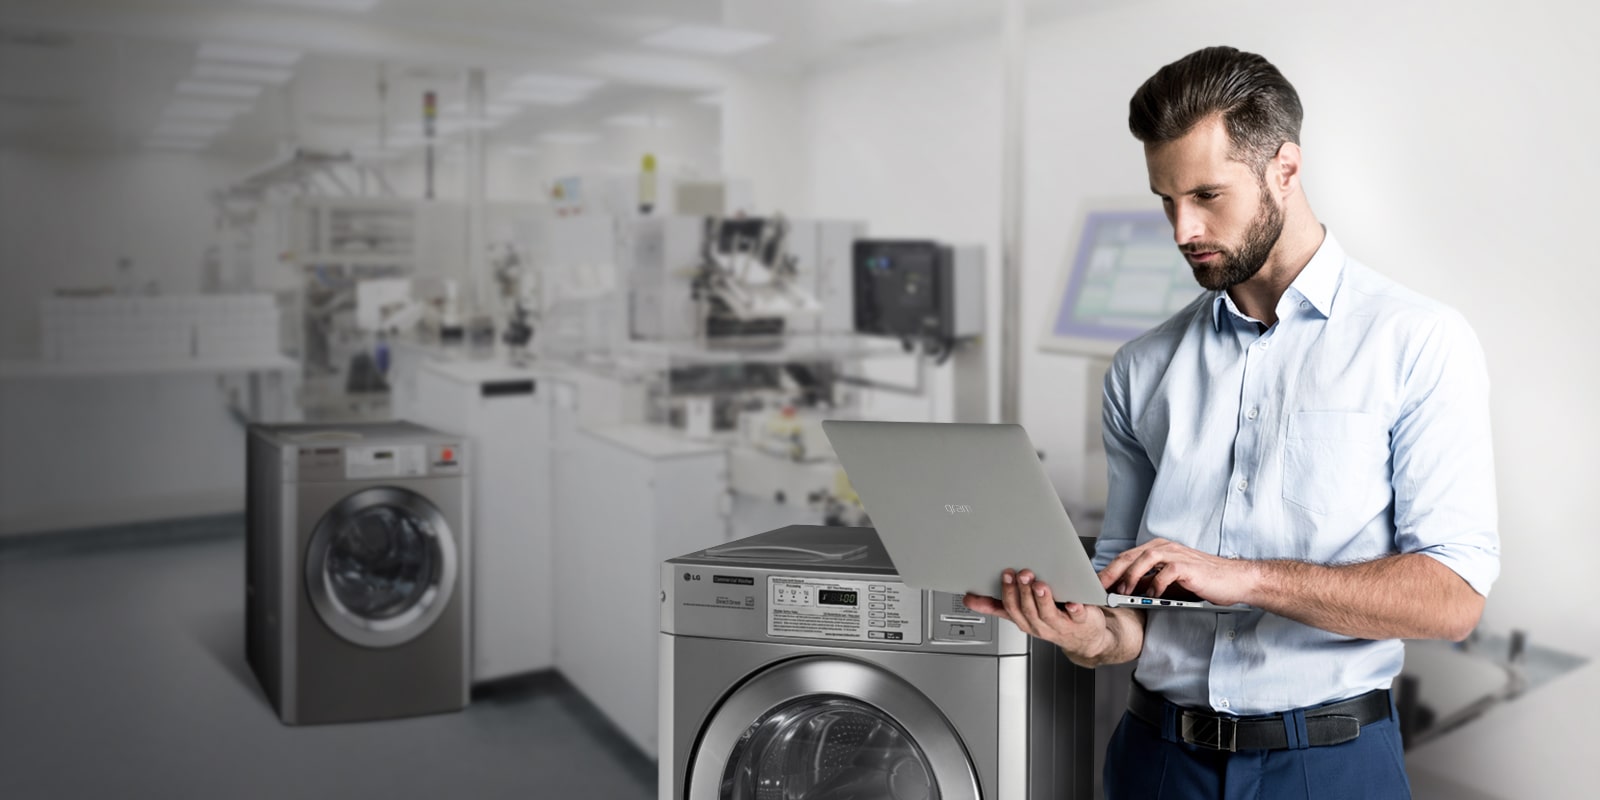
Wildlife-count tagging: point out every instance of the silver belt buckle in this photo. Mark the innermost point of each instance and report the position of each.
(1210, 732)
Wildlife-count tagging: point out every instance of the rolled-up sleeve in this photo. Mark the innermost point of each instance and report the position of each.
(1444, 482)
(1129, 472)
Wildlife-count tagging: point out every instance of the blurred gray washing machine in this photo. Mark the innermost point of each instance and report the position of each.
(356, 599)
(796, 664)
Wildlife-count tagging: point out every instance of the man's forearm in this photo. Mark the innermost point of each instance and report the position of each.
(1408, 596)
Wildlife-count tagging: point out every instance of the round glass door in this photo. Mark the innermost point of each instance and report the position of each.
(827, 728)
(380, 566)
(822, 748)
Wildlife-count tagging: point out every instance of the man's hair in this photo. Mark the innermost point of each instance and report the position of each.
(1259, 107)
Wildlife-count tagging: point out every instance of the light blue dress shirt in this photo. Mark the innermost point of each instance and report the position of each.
(1354, 428)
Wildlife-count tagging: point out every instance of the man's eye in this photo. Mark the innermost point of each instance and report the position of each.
(1206, 196)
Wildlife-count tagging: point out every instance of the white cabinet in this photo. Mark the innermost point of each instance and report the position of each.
(505, 414)
(628, 498)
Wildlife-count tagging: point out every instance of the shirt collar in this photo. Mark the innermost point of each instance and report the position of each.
(1317, 283)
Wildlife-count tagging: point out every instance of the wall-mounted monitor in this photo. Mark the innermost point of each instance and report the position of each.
(1124, 275)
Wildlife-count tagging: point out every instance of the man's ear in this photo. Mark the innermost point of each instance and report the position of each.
(1283, 172)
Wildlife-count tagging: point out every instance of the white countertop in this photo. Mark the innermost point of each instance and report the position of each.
(653, 441)
(490, 370)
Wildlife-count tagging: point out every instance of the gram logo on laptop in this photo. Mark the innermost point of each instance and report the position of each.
(957, 509)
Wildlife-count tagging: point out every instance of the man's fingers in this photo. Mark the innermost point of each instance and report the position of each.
(1140, 569)
(1027, 601)
(1124, 566)
(1046, 603)
(1009, 591)
(983, 604)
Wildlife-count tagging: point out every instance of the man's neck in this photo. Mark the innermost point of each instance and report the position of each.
(1258, 297)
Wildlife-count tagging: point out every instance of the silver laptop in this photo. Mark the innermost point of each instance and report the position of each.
(956, 504)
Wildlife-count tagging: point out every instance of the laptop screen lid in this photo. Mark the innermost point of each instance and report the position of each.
(956, 504)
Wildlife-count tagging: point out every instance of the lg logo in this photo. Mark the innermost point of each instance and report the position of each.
(958, 509)
(689, 576)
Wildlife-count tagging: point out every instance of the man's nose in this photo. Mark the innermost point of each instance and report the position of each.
(1186, 226)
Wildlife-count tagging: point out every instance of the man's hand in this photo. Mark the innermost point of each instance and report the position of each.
(1089, 635)
(1403, 596)
(1157, 565)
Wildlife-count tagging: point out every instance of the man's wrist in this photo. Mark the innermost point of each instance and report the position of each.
(1267, 581)
(1107, 649)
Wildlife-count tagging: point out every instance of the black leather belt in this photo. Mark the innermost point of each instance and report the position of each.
(1335, 723)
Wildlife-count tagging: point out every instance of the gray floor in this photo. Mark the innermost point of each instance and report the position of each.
(122, 674)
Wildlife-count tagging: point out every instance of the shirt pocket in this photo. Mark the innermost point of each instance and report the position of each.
(1336, 460)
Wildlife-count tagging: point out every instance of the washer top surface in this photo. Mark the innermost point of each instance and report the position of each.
(799, 548)
(346, 433)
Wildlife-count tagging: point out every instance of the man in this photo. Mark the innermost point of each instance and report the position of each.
(1307, 438)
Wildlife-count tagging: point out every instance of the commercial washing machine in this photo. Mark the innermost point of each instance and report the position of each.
(795, 664)
(356, 598)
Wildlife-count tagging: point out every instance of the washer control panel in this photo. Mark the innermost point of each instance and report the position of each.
(843, 610)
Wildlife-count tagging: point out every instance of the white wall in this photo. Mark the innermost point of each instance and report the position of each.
(911, 146)
(764, 138)
(1447, 144)
(65, 220)
(91, 451)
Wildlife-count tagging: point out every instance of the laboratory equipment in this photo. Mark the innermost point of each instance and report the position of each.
(918, 291)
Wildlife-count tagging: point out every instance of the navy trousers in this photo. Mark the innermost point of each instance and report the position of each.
(1144, 762)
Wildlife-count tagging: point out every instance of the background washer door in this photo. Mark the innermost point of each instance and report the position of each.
(820, 727)
(380, 566)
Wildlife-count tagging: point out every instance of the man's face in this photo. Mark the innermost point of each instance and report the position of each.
(1224, 218)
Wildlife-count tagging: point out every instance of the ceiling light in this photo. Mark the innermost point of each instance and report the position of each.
(183, 128)
(249, 54)
(215, 89)
(204, 109)
(567, 137)
(707, 39)
(233, 72)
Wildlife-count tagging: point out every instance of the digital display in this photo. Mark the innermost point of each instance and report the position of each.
(835, 597)
(1125, 277)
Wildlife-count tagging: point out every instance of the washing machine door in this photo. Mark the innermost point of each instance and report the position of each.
(825, 728)
(381, 566)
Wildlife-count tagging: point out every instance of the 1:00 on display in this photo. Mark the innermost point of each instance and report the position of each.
(835, 597)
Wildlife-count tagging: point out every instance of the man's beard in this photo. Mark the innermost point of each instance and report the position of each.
(1234, 267)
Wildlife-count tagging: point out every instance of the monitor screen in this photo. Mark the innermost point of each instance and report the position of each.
(1124, 277)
